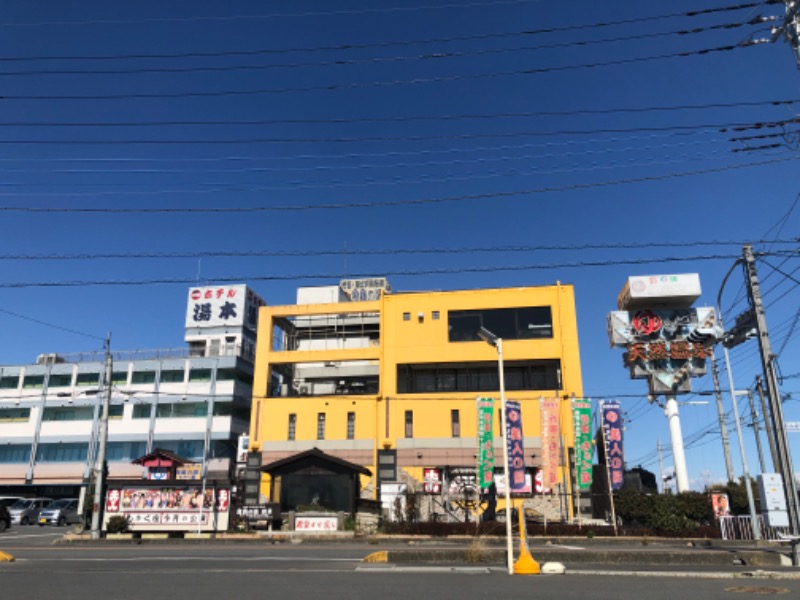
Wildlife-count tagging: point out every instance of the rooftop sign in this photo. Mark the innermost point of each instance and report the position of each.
(651, 291)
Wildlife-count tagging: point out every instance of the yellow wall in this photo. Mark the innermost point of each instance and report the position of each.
(380, 419)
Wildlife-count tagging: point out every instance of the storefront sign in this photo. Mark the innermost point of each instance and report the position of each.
(432, 481)
(315, 523)
(485, 442)
(171, 508)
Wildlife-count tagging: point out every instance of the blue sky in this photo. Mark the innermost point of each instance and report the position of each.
(472, 128)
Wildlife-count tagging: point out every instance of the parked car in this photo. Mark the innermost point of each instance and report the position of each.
(61, 512)
(5, 518)
(26, 511)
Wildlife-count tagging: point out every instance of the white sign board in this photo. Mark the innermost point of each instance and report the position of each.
(222, 306)
(650, 291)
(315, 523)
(792, 426)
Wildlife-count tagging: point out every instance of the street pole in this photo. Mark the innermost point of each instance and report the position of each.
(491, 339)
(504, 420)
(773, 392)
(773, 451)
(754, 422)
(99, 470)
(748, 484)
(676, 437)
(723, 427)
(660, 466)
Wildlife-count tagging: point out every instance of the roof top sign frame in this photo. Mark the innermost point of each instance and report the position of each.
(653, 291)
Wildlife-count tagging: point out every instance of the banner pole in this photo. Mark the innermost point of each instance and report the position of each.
(608, 471)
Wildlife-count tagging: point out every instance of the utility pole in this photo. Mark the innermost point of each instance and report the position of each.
(660, 466)
(790, 29)
(723, 427)
(754, 422)
(770, 378)
(767, 425)
(100, 464)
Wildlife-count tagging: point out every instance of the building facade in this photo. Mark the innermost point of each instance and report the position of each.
(194, 401)
(391, 383)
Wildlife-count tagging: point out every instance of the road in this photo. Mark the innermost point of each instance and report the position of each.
(307, 571)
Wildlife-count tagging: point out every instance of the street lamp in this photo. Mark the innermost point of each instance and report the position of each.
(491, 339)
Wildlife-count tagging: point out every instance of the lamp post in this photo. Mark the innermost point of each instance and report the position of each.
(491, 339)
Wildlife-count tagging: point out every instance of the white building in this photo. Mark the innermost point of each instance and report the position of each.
(193, 401)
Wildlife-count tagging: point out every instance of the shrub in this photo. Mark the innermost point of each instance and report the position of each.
(118, 524)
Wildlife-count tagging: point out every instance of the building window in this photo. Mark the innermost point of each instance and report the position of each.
(33, 381)
(532, 375)
(455, 423)
(524, 323)
(18, 453)
(435, 315)
(182, 410)
(292, 427)
(172, 376)
(142, 411)
(406, 316)
(85, 379)
(143, 377)
(118, 378)
(60, 381)
(199, 375)
(351, 426)
(321, 426)
(409, 423)
(9, 382)
(70, 452)
(16, 415)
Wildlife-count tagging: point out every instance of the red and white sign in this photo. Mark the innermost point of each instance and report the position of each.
(432, 481)
(315, 523)
(222, 306)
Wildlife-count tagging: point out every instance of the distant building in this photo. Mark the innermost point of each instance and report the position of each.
(193, 401)
(389, 381)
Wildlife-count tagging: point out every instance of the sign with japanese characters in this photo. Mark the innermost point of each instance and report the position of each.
(170, 509)
(584, 447)
(551, 441)
(223, 306)
(612, 436)
(516, 451)
(432, 481)
(302, 523)
(485, 442)
(361, 290)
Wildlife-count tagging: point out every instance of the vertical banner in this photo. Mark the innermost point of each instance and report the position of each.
(584, 449)
(550, 442)
(612, 432)
(516, 452)
(485, 442)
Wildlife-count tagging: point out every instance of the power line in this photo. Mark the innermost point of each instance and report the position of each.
(423, 118)
(437, 56)
(721, 9)
(51, 325)
(383, 251)
(382, 273)
(385, 83)
(370, 204)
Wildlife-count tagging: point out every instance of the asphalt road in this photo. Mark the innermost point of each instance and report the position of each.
(308, 571)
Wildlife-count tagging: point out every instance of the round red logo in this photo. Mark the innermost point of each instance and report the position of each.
(646, 322)
(196, 294)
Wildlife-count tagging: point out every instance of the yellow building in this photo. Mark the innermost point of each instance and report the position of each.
(399, 376)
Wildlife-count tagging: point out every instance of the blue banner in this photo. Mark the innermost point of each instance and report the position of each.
(516, 451)
(612, 435)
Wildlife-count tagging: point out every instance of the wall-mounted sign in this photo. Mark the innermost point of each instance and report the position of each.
(432, 481)
(360, 290)
(302, 523)
(223, 306)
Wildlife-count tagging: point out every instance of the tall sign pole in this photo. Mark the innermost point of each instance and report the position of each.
(773, 393)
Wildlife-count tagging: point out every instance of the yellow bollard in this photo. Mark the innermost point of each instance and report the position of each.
(525, 564)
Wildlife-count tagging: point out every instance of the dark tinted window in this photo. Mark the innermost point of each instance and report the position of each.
(523, 323)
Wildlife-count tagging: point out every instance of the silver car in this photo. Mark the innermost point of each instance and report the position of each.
(61, 512)
(26, 511)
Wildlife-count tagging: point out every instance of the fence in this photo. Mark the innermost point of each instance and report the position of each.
(741, 528)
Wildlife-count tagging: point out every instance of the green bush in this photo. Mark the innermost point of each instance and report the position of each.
(118, 524)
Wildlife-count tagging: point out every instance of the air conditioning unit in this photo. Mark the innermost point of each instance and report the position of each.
(48, 359)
